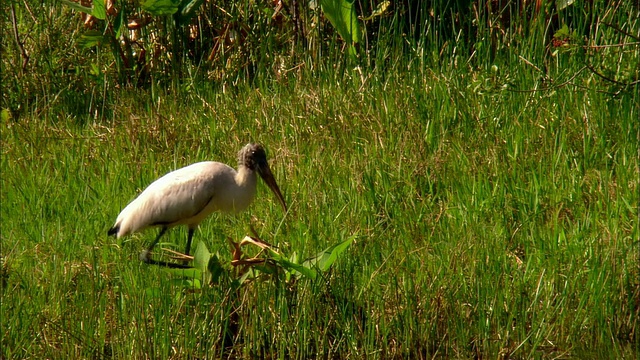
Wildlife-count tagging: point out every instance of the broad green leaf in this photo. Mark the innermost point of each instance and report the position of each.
(215, 269)
(201, 256)
(324, 259)
(90, 39)
(187, 283)
(191, 273)
(342, 15)
(195, 284)
(161, 7)
(99, 9)
(5, 115)
(379, 10)
(77, 6)
(562, 33)
(120, 24)
(187, 10)
(153, 292)
(353, 54)
(201, 261)
(302, 269)
(266, 268)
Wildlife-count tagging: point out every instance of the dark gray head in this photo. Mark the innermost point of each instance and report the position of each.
(254, 157)
(251, 156)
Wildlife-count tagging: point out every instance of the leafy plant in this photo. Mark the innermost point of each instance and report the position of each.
(113, 25)
(269, 262)
(110, 25)
(342, 15)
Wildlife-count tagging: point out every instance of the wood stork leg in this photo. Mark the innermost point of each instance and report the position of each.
(189, 237)
(145, 255)
(153, 244)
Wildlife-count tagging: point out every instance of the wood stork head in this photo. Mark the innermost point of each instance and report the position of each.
(254, 157)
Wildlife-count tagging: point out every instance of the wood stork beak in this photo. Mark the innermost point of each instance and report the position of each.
(265, 173)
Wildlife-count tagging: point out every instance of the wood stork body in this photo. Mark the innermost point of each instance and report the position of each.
(189, 195)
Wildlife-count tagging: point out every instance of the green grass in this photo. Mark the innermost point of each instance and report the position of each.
(490, 179)
(488, 224)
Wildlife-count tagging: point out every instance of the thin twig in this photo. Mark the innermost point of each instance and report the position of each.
(530, 63)
(178, 255)
(610, 45)
(16, 37)
(605, 77)
(554, 86)
(621, 31)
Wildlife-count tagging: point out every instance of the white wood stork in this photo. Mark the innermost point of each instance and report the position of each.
(188, 195)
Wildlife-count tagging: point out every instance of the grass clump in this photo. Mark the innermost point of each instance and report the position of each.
(501, 224)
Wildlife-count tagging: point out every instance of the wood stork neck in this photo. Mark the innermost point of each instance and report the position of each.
(245, 177)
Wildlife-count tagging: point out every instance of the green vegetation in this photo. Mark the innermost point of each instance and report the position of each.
(485, 167)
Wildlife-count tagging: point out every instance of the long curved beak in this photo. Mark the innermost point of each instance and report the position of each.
(267, 176)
